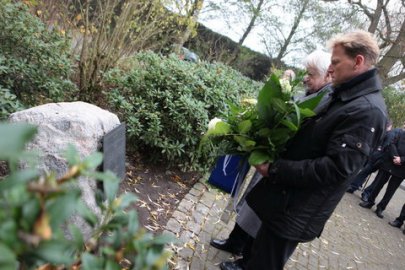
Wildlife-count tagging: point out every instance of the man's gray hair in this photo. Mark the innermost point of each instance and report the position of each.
(319, 60)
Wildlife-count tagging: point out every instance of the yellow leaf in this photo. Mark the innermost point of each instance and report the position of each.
(42, 228)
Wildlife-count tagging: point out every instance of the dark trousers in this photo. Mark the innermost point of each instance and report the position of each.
(361, 177)
(270, 251)
(369, 188)
(238, 237)
(393, 184)
(401, 217)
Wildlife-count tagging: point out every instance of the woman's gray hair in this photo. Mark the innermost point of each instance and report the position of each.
(319, 60)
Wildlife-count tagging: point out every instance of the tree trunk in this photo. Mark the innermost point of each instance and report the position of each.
(395, 53)
(297, 21)
(256, 14)
(192, 22)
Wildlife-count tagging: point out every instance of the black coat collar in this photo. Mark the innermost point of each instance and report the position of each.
(360, 85)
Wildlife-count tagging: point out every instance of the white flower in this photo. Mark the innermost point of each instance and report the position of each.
(285, 86)
(213, 123)
(249, 101)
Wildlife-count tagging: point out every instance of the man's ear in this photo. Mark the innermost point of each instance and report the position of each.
(359, 60)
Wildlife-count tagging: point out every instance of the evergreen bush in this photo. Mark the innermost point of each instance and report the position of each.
(34, 207)
(8, 103)
(34, 59)
(167, 103)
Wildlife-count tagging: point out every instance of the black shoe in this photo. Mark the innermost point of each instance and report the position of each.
(364, 197)
(367, 204)
(236, 265)
(226, 245)
(351, 189)
(378, 212)
(396, 223)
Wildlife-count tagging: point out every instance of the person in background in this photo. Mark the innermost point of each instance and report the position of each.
(373, 163)
(397, 223)
(247, 224)
(317, 81)
(288, 74)
(392, 171)
(299, 192)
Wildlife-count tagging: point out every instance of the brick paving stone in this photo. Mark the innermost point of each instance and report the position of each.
(186, 253)
(200, 186)
(191, 198)
(203, 209)
(193, 227)
(185, 206)
(207, 199)
(173, 226)
(178, 215)
(195, 192)
(197, 263)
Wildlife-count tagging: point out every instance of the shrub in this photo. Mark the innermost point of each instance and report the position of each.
(395, 101)
(167, 103)
(34, 207)
(8, 103)
(34, 60)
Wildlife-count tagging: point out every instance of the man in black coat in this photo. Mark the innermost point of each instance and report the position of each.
(392, 171)
(299, 191)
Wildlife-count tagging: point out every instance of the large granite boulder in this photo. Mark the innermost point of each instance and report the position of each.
(59, 124)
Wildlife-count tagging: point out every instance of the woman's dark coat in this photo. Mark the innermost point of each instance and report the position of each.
(306, 184)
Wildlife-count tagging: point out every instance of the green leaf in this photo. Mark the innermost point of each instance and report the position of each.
(289, 124)
(56, 252)
(112, 265)
(264, 132)
(77, 237)
(111, 185)
(127, 199)
(244, 126)
(13, 138)
(221, 128)
(270, 91)
(258, 157)
(62, 207)
(18, 178)
(133, 222)
(279, 105)
(280, 135)
(311, 103)
(110, 182)
(91, 262)
(119, 219)
(305, 112)
(164, 239)
(89, 216)
(8, 260)
(246, 143)
(93, 161)
(71, 155)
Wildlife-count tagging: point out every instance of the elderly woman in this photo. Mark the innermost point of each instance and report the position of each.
(317, 81)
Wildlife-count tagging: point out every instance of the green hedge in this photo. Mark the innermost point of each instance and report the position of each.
(167, 103)
(395, 101)
(34, 60)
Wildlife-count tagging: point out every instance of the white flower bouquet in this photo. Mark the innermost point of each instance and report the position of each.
(260, 129)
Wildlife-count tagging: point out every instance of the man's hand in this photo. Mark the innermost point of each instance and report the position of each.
(397, 160)
(263, 169)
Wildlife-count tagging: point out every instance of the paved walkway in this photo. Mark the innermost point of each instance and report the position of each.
(354, 238)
